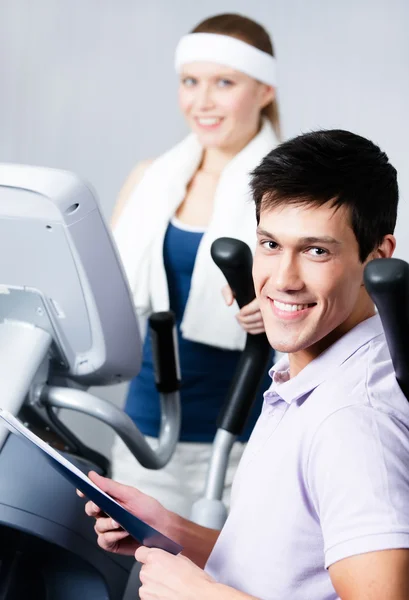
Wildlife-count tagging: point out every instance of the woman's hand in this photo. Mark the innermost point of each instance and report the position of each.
(249, 316)
(111, 536)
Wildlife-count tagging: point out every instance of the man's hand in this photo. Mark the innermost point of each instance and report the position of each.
(249, 316)
(196, 540)
(111, 536)
(171, 577)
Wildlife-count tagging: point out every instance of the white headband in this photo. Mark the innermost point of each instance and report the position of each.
(228, 51)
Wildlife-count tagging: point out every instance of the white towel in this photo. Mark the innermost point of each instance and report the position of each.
(141, 228)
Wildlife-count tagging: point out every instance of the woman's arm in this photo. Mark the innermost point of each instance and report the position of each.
(130, 183)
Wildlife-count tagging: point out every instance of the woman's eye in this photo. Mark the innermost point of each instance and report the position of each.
(318, 252)
(189, 81)
(224, 82)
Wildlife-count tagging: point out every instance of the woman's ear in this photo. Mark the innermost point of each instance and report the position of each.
(268, 94)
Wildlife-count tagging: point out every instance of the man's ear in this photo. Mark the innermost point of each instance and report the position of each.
(386, 248)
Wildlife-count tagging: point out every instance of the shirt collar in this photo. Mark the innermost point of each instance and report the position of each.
(320, 369)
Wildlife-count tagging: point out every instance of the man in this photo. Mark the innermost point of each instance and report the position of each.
(320, 503)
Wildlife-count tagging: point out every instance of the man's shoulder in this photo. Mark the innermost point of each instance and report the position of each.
(365, 380)
(361, 430)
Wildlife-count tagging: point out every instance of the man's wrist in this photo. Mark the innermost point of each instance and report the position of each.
(197, 541)
(168, 523)
(174, 526)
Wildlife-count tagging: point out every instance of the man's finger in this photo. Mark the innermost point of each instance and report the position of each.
(113, 537)
(93, 510)
(113, 540)
(106, 524)
(116, 490)
(142, 554)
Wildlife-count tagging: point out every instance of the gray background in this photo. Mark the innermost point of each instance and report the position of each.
(88, 85)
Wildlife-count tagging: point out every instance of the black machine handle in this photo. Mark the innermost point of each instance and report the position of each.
(235, 260)
(387, 282)
(162, 327)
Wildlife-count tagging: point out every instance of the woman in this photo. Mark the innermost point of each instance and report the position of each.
(169, 212)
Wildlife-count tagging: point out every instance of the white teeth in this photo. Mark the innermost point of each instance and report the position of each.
(209, 121)
(289, 307)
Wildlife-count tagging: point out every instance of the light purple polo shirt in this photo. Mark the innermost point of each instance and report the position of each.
(324, 476)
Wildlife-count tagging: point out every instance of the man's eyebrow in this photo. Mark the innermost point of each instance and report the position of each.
(264, 232)
(325, 239)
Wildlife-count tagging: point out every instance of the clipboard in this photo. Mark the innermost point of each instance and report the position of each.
(142, 532)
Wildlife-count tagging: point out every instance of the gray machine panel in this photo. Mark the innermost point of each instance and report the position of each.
(54, 242)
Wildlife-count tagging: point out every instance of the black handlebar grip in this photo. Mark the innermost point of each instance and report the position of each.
(234, 259)
(162, 328)
(387, 282)
(250, 371)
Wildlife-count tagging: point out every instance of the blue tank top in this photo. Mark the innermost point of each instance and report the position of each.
(206, 370)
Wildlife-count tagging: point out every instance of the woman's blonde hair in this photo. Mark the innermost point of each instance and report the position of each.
(252, 33)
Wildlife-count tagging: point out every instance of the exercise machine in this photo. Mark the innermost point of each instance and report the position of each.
(66, 323)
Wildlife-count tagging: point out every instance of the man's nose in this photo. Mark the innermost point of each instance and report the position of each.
(288, 277)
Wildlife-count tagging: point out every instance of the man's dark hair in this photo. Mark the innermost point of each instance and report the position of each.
(333, 166)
